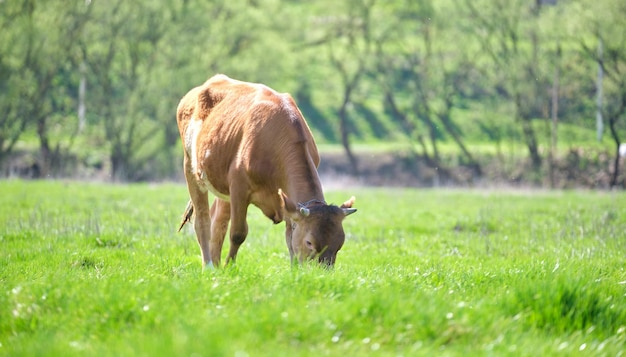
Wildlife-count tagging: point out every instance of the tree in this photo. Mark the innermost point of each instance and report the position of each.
(507, 32)
(347, 37)
(605, 22)
(119, 47)
(422, 77)
(15, 80)
(39, 44)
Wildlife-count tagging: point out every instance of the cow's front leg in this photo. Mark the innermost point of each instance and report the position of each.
(288, 234)
(220, 214)
(238, 223)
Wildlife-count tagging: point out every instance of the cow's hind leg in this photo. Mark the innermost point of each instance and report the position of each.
(238, 223)
(202, 223)
(220, 215)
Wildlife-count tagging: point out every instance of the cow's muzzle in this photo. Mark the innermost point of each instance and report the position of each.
(327, 258)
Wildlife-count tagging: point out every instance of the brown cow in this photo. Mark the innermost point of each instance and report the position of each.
(246, 144)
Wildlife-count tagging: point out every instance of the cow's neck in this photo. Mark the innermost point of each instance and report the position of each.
(304, 184)
(306, 191)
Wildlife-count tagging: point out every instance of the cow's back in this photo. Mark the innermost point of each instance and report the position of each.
(228, 125)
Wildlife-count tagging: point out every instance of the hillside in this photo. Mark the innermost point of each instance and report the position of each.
(90, 89)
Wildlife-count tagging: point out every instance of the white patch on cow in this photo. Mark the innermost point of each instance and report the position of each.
(191, 141)
(206, 186)
(191, 146)
(218, 194)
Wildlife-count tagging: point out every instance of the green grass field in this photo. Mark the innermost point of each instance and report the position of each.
(99, 270)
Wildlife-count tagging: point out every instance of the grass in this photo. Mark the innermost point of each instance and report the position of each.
(97, 269)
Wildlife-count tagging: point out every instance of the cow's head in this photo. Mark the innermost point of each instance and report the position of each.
(315, 228)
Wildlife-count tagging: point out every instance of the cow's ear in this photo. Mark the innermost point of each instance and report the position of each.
(348, 203)
(286, 203)
(347, 206)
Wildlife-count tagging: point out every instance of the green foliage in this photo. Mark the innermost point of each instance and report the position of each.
(390, 71)
(99, 269)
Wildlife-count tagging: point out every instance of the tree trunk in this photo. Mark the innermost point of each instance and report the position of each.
(447, 123)
(599, 80)
(44, 148)
(119, 164)
(617, 141)
(555, 116)
(529, 133)
(82, 89)
(345, 138)
(613, 119)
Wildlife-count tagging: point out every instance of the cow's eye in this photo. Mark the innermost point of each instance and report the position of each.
(308, 244)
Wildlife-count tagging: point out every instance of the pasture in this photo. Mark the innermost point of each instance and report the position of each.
(98, 269)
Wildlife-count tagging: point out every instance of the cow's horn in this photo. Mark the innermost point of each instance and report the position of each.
(305, 211)
(348, 211)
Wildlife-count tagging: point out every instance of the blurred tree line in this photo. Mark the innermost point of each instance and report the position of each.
(95, 83)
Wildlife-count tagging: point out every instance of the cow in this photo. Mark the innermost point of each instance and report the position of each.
(248, 144)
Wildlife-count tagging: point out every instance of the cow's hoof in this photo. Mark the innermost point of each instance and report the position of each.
(208, 266)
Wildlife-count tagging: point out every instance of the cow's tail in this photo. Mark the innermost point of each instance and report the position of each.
(187, 215)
